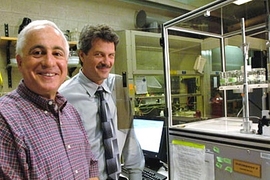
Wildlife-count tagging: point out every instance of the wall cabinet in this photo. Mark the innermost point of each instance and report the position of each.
(9, 44)
(139, 56)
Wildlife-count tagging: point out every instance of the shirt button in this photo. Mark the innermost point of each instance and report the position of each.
(76, 171)
(68, 146)
(46, 112)
(50, 103)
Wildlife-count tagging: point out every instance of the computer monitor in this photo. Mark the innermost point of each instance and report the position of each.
(151, 134)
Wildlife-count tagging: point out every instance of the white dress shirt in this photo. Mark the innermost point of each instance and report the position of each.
(80, 91)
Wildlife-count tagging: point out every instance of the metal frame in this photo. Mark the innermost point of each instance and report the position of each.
(170, 25)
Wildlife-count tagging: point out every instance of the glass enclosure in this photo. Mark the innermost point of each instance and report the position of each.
(217, 28)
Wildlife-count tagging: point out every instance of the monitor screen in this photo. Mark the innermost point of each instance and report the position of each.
(151, 134)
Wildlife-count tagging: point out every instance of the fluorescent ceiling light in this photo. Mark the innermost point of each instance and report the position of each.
(239, 2)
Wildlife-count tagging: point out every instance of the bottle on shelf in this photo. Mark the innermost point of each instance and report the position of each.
(25, 22)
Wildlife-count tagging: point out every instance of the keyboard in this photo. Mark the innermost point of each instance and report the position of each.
(147, 174)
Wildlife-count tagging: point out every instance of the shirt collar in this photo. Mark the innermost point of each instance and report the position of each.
(39, 101)
(90, 86)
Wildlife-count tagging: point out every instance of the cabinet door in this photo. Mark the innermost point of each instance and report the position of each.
(140, 55)
(147, 53)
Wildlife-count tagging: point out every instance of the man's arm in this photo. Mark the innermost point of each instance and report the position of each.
(133, 156)
(11, 167)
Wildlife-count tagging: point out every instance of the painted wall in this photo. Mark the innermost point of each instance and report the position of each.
(68, 15)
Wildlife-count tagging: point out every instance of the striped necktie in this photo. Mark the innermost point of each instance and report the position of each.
(109, 139)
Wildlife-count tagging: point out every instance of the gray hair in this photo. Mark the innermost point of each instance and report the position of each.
(22, 36)
(90, 33)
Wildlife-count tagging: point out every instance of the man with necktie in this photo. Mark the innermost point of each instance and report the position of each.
(112, 137)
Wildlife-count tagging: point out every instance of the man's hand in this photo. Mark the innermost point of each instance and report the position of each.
(94, 178)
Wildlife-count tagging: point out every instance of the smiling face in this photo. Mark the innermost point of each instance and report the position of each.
(99, 60)
(44, 61)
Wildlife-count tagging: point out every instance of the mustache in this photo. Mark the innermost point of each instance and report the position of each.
(103, 65)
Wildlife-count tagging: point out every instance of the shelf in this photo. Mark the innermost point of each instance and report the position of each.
(74, 65)
(161, 72)
(72, 43)
(69, 65)
(12, 65)
(5, 40)
(172, 95)
(149, 97)
(185, 73)
(240, 87)
(148, 72)
(186, 95)
(148, 40)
